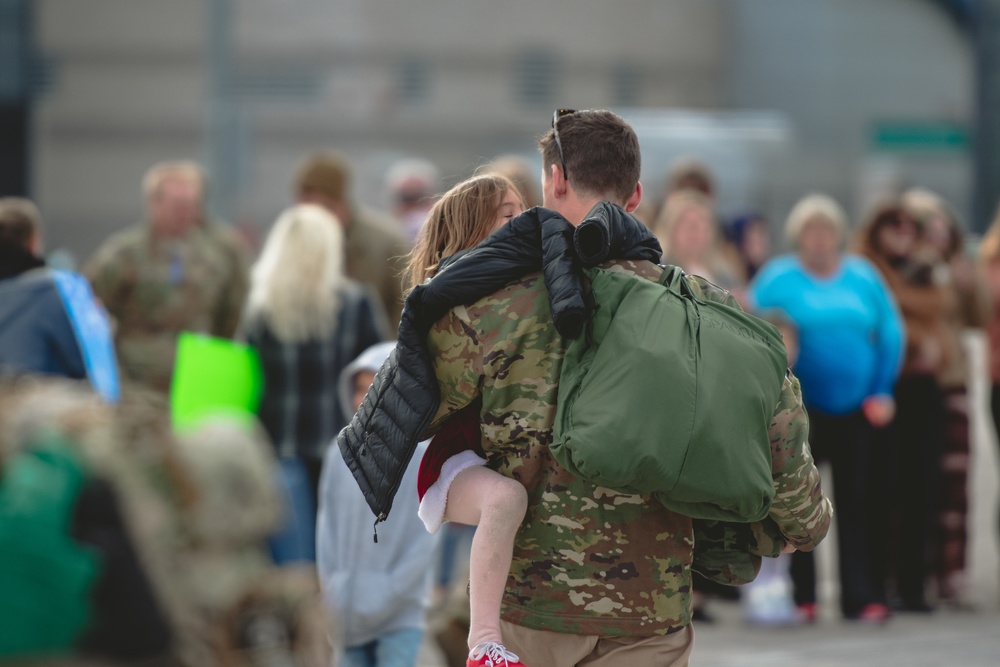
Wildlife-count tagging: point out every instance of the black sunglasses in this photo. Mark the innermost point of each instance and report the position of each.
(556, 115)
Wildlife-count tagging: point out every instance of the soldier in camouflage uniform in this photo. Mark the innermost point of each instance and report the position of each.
(198, 507)
(598, 577)
(175, 272)
(376, 248)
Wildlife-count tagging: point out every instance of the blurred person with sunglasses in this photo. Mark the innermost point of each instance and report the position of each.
(958, 272)
(895, 242)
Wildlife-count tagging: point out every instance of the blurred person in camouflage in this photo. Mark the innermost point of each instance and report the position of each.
(71, 580)
(177, 271)
(598, 577)
(177, 523)
(376, 248)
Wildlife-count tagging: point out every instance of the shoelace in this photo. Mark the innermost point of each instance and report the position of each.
(494, 653)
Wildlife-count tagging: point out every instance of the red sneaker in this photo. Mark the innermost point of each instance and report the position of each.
(873, 614)
(492, 654)
(806, 613)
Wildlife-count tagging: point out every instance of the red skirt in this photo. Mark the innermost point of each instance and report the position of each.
(456, 446)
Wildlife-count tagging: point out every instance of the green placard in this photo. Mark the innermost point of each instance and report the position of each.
(922, 136)
(211, 376)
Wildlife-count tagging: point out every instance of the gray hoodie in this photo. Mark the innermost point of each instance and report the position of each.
(372, 588)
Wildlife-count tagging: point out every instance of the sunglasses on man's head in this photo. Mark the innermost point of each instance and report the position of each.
(556, 115)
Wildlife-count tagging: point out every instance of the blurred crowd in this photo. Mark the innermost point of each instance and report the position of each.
(243, 538)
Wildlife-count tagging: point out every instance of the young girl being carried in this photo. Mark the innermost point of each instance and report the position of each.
(454, 483)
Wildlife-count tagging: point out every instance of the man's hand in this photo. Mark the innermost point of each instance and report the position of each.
(879, 410)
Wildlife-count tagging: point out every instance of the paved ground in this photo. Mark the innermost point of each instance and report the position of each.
(944, 638)
(935, 640)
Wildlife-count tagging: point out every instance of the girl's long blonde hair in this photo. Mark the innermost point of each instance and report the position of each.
(460, 219)
(293, 284)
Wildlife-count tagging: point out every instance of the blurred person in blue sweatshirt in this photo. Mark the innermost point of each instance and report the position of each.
(50, 322)
(851, 338)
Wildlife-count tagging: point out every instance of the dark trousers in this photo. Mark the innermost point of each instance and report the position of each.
(314, 468)
(845, 441)
(912, 492)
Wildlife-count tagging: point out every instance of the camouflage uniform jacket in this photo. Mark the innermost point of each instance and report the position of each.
(376, 254)
(155, 288)
(588, 560)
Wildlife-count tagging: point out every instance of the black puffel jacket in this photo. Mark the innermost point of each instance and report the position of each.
(403, 399)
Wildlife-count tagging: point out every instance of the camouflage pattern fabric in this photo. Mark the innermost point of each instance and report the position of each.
(588, 560)
(276, 621)
(198, 507)
(377, 252)
(730, 553)
(155, 288)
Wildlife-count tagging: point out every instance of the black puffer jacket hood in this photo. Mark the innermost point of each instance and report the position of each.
(403, 399)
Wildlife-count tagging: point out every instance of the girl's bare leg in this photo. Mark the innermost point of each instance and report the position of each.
(496, 504)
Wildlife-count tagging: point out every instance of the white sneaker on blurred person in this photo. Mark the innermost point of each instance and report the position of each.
(768, 599)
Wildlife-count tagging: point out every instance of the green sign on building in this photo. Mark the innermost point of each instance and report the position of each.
(920, 136)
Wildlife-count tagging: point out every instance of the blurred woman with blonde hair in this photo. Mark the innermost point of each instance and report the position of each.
(691, 239)
(307, 321)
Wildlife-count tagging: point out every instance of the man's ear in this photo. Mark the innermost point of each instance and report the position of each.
(36, 245)
(559, 183)
(636, 198)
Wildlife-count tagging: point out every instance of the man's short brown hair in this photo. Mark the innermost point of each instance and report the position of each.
(20, 221)
(328, 174)
(601, 152)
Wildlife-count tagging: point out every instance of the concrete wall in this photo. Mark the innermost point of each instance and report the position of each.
(375, 80)
(836, 67)
(128, 90)
(136, 81)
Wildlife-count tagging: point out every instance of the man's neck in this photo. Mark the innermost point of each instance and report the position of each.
(576, 210)
(16, 259)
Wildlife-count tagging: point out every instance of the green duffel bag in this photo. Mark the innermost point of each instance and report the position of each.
(670, 394)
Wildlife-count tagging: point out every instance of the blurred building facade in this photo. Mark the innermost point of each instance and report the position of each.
(870, 95)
